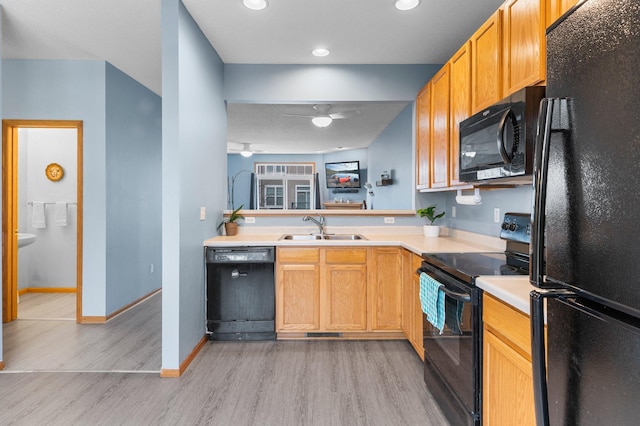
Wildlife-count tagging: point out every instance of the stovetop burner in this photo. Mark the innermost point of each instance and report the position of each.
(471, 265)
(514, 261)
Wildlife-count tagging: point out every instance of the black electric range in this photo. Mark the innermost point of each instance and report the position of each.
(453, 355)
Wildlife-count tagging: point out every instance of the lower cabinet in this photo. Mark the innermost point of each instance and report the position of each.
(345, 289)
(352, 290)
(507, 377)
(411, 308)
(298, 289)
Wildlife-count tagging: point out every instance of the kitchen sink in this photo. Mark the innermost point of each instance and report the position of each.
(314, 237)
(299, 237)
(344, 237)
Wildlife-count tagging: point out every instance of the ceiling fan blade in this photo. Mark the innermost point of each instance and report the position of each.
(298, 115)
(344, 114)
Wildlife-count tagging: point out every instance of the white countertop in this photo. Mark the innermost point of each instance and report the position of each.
(511, 289)
(411, 238)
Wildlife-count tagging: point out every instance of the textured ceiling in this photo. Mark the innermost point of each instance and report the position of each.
(127, 34)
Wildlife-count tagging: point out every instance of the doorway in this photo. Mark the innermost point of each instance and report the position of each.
(39, 210)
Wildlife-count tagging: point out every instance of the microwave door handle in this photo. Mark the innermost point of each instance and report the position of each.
(460, 297)
(507, 116)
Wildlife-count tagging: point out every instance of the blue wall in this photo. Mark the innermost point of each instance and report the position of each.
(134, 190)
(392, 151)
(194, 174)
(71, 90)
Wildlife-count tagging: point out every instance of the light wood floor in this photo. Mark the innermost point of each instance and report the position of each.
(238, 383)
(47, 306)
(129, 342)
(229, 383)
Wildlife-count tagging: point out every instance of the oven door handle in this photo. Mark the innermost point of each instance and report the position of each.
(461, 297)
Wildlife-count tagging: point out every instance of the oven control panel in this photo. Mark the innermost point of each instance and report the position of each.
(516, 227)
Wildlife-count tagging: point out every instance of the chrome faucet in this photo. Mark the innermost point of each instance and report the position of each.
(320, 222)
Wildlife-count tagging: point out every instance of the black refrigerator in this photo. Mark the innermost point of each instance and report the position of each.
(585, 250)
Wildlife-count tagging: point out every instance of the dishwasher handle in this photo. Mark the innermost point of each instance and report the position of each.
(236, 274)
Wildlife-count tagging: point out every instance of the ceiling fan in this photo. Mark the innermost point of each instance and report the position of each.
(323, 117)
(245, 151)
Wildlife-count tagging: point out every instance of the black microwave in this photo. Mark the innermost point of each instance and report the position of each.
(496, 144)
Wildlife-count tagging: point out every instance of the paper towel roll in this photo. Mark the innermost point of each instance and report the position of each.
(470, 200)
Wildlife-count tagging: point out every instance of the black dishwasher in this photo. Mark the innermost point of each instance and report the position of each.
(240, 293)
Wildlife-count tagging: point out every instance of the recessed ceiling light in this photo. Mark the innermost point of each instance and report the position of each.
(255, 4)
(407, 4)
(320, 52)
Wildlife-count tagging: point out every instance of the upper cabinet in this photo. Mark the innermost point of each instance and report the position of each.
(504, 55)
(486, 63)
(423, 137)
(459, 104)
(439, 152)
(523, 44)
(557, 8)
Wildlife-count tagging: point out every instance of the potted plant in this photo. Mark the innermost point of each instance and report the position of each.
(429, 213)
(230, 223)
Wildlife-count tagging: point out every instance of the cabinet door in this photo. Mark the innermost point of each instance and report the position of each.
(486, 63)
(507, 385)
(557, 8)
(439, 151)
(407, 296)
(386, 289)
(298, 288)
(417, 310)
(345, 305)
(423, 137)
(523, 42)
(460, 100)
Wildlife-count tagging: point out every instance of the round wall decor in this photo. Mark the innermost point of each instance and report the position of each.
(54, 172)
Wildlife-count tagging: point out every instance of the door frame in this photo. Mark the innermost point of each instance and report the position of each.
(10, 211)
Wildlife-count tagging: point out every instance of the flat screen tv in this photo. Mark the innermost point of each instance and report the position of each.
(343, 174)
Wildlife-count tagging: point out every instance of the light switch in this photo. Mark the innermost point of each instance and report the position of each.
(203, 213)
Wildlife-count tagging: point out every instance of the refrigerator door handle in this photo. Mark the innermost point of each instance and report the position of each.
(553, 117)
(538, 359)
(540, 166)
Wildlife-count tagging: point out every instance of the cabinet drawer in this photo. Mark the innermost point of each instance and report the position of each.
(298, 255)
(508, 322)
(346, 255)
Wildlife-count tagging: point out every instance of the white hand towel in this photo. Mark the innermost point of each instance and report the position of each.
(37, 216)
(61, 213)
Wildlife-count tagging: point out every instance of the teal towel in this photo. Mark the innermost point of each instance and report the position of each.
(432, 301)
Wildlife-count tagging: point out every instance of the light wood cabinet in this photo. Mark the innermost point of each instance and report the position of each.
(523, 44)
(411, 309)
(439, 146)
(460, 106)
(557, 8)
(355, 290)
(507, 376)
(298, 289)
(345, 281)
(386, 289)
(423, 137)
(486, 63)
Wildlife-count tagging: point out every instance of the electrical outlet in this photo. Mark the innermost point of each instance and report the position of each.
(249, 220)
(453, 211)
(496, 215)
(151, 268)
(389, 220)
(203, 213)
